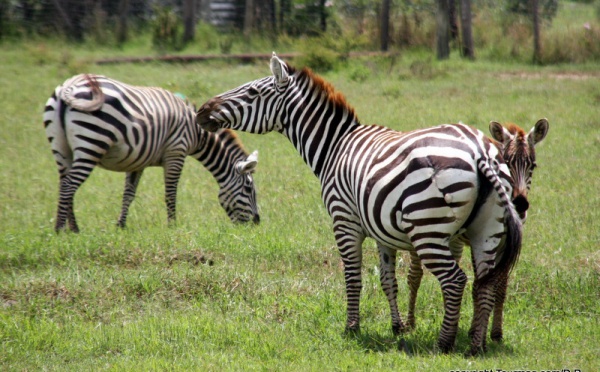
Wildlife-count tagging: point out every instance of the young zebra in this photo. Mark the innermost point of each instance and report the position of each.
(518, 150)
(93, 120)
(413, 191)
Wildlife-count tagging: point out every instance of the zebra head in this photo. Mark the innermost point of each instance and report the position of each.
(238, 195)
(252, 107)
(518, 151)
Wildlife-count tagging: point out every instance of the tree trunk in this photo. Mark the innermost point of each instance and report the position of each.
(189, 20)
(285, 9)
(468, 50)
(249, 18)
(442, 30)
(273, 18)
(452, 20)
(537, 46)
(324, 15)
(385, 25)
(264, 17)
(122, 30)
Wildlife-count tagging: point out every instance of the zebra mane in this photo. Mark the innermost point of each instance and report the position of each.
(516, 130)
(337, 98)
(230, 134)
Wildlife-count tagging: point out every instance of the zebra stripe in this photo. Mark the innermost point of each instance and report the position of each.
(416, 191)
(92, 120)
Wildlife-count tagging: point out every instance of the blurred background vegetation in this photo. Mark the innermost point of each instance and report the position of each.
(324, 32)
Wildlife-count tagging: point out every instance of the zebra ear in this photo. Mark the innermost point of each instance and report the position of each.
(248, 165)
(499, 133)
(538, 132)
(278, 69)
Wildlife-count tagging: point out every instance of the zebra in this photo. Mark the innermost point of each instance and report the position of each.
(92, 120)
(518, 151)
(412, 191)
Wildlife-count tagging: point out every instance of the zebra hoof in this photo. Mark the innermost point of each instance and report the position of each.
(496, 336)
(445, 347)
(476, 351)
(403, 346)
(352, 329)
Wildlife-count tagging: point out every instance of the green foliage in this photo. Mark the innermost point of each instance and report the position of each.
(547, 8)
(359, 72)
(317, 56)
(166, 30)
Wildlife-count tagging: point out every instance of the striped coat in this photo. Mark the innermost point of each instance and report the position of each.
(92, 120)
(414, 191)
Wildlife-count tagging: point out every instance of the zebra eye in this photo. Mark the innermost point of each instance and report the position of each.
(253, 91)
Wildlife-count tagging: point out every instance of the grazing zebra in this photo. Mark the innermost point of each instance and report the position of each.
(413, 191)
(93, 120)
(518, 150)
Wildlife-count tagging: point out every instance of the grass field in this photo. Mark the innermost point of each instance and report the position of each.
(207, 295)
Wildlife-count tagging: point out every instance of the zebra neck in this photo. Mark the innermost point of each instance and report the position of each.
(218, 153)
(316, 131)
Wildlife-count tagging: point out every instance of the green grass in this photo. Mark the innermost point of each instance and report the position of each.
(208, 295)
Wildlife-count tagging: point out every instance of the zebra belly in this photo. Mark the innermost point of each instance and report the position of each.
(122, 158)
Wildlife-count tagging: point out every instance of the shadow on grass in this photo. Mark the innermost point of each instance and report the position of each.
(418, 343)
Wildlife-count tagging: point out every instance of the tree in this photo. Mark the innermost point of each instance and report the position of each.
(468, 49)
(537, 47)
(285, 10)
(442, 29)
(249, 18)
(452, 19)
(189, 20)
(385, 24)
(323, 14)
(122, 30)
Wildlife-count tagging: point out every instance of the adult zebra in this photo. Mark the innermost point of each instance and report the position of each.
(518, 151)
(411, 191)
(92, 120)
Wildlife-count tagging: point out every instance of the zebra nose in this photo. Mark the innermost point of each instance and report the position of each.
(256, 219)
(521, 204)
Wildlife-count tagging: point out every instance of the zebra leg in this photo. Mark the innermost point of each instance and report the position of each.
(415, 273)
(483, 294)
(172, 171)
(69, 184)
(132, 180)
(350, 246)
(452, 280)
(500, 297)
(389, 284)
(476, 304)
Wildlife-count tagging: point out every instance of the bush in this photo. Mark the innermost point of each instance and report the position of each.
(167, 30)
(573, 46)
(317, 56)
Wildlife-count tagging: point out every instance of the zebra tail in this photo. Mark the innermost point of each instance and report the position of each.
(72, 89)
(514, 228)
